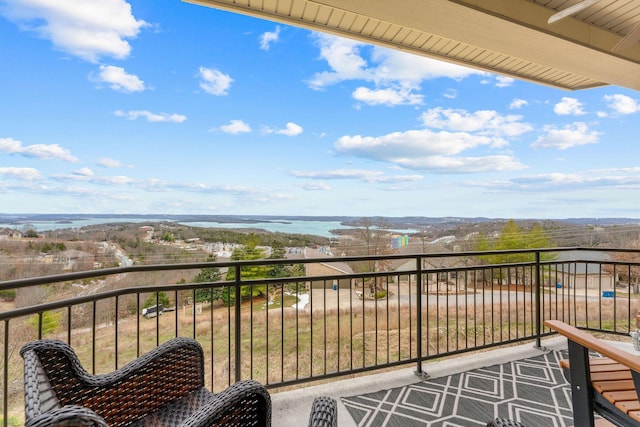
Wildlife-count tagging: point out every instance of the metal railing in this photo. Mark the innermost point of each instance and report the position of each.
(283, 331)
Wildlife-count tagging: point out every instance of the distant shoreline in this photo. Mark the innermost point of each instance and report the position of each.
(67, 218)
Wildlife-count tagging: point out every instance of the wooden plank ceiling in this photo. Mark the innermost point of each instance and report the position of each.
(595, 45)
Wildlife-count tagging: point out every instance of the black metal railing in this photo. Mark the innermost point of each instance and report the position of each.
(329, 322)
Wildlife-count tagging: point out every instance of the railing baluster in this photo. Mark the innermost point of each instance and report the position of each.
(69, 325)
(5, 377)
(116, 333)
(419, 315)
(93, 337)
(539, 318)
(237, 337)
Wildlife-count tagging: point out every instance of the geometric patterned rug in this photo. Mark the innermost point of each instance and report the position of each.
(532, 391)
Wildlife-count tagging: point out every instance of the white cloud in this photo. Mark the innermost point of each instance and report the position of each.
(214, 82)
(83, 172)
(38, 151)
(392, 72)
(571, 135)
(412, 143)
(504, 81)
(315, 186)
(483, 122)
(343, 57)
(106, 162)
(452, 164)
(356, 174)
(29, 174)
(622, 104)
(151, 117)
(395, 66)
(388, 96)
(235, 127)
(592, 179)
(428, 150)
(450, 94)
(268, 38)
(111, 180)
(119, 80)
(89, 30)
(291, 129)
(89, 177)
(516, 104)
(569, 106)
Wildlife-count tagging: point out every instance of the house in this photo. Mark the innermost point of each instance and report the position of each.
(584, 274)
(433, 282)
(337, 268)
(9, 234)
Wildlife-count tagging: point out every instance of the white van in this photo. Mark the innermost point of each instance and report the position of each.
(153, 311)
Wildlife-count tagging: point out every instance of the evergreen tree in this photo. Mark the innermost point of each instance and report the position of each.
(208, 275)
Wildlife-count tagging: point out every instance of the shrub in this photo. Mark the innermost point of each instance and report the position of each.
(8, 295)
(163, 300)
(50, 321)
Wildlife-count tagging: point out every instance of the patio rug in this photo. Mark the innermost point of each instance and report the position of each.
(532, 391)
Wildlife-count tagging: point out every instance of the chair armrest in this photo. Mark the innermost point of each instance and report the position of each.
(588, 341)
(324, 412)
(69, 415)
(243, 403)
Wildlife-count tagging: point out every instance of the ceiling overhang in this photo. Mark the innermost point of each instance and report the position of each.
(508, 37)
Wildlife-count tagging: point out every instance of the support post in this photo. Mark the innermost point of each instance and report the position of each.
(581, 388)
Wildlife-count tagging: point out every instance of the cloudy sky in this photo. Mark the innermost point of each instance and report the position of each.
(168, 107)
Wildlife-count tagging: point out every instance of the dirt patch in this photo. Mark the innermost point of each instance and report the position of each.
(6, 305)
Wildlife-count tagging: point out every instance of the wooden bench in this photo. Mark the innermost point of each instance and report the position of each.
(606, 385)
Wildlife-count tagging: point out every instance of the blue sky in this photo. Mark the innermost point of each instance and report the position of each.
(154, 106)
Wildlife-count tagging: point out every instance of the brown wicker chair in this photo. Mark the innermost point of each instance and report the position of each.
(164, 387)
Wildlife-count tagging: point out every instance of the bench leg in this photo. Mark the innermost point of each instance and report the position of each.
(581, 388)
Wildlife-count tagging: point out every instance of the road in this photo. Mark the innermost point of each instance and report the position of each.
(123, 260)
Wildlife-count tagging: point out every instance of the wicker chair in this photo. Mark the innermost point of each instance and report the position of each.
(164, 387)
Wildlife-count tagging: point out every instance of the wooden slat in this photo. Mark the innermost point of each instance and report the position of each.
(614, 367)
(628, 405)
(602, 386)
(619, 396)
(611, 376)
(564, 363)
(635, 415)
(601, 361)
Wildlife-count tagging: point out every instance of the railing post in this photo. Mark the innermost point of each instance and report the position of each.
(237, 300)
(5, 381)
(419, 371)
(539, 316)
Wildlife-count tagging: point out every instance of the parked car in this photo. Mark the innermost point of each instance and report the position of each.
(153, 311)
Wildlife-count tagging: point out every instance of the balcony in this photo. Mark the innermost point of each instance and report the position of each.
(302, 335)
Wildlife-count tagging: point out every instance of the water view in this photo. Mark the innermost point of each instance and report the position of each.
(314, 227)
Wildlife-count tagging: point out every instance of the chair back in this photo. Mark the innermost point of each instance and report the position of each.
(54, 378)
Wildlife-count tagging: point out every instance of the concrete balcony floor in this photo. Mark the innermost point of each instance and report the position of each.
(291, 408)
